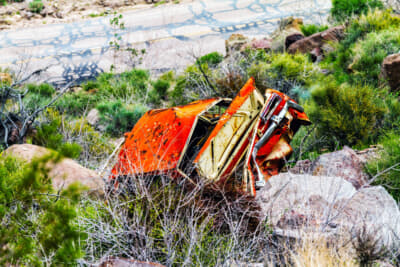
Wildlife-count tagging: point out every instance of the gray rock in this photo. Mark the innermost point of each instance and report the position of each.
(93, 117)
(330, 206)
(344, 163)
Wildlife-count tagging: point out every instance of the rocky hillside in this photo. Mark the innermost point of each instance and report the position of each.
(334, 204)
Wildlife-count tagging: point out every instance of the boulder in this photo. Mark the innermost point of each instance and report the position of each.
(123, 262)
(318, 40)
(264, 44)
(344, 163)
(391, 71)
(298, 204)
(63, 173)
(287, 27)
(93, 117)
(235, 43)
(292, 38)
(5, 78)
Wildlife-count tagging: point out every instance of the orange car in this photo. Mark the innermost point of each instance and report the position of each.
(235, 144)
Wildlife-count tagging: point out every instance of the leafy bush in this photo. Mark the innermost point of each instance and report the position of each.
(285, 72)
(128, 86)
(344, 9)
(389, 157)
(212, 59)
(310, 29)
(44, 89)
(346, 114)
(75, 104)
(374, 21)
(48, 135)
(368, 55)
(38, 225)
(36, 6)
(161, 87)
(117, 118)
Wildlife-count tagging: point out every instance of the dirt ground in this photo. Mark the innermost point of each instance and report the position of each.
(19, 15)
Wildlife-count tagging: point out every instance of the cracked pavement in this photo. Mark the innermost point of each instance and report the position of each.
(171, 35)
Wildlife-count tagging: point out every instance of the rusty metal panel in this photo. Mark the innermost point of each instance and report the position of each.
(230, 134)
(158, 139)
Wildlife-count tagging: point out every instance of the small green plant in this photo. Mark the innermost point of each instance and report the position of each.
(161, 87)
(386, 166)
(117, 118)
(211, 59)
(346, 114)
(344, 9)
(44, 89)
(48, 135)
(117, 25)
(160, 3)
(310, 29)
(369, 53)
(38, 225)
(36, 6)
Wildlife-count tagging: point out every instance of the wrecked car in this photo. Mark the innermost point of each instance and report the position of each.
(232, 144)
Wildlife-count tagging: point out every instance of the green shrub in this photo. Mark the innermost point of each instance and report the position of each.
(212, 59)
(128, 87)
(310, 29)
(75, 104)
(346, 114)
(177, 94)
(343, 9)
(168, 76)
(161, 87)
(44, 89)
(388, 157)
(48, 135)
(36, 6)
(368, 55)
(38, 95)
(90, 85)
(284, 72)
(117, 118)
(38, 225)
(374, 21)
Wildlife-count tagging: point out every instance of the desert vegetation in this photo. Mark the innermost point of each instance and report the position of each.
(157, 219)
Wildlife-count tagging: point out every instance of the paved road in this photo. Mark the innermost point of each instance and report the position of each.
(171, 35)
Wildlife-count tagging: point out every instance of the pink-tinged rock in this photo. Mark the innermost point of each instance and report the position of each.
(292, 38)
(235, 43)
(264, 44)
(344, 163)
(391, 71)
(63, 173)
(306, 205)
(317, 40)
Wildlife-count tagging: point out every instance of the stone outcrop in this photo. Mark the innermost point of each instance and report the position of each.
(292, 38)
(318, 40)
(264, 44)
(296, 204)
(93, 117)
(234, 43)
(391, 71)
(344, 163)
(287, 27)
(63, 173)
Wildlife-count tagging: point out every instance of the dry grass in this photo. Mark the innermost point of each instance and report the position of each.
(317, 251)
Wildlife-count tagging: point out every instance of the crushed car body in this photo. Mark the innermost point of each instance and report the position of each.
(232, 144)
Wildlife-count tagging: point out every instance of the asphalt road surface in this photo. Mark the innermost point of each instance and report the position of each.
(172, 35)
